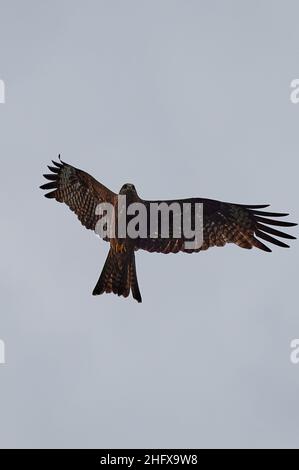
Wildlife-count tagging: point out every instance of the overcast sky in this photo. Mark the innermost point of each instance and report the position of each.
(183, 99)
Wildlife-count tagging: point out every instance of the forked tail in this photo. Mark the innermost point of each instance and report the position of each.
(119, 275)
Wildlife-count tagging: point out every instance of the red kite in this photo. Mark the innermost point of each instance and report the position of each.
(223, 223)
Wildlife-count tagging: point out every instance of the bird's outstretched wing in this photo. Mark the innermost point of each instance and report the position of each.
(78, 190)
(224, 223)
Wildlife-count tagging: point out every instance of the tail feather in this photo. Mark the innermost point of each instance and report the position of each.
(119, 276)
(133, 281)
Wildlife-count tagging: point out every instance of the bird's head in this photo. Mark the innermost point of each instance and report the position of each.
(128, 188)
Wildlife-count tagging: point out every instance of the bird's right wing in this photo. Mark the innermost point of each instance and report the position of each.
(78, 190)
(222, 223)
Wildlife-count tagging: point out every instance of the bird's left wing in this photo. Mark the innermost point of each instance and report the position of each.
(78, 190)
(223, 223)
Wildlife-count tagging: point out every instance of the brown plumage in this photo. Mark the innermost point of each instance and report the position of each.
(223, 223)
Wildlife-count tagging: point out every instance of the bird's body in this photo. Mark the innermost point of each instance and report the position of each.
(222, 223)
(119, 272)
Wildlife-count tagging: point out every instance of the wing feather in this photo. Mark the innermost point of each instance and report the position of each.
(224, 223)
(78, 190)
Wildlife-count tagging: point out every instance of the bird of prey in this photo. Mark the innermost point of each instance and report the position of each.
(244, 225)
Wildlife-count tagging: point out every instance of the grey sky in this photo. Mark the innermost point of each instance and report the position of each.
(181, 98)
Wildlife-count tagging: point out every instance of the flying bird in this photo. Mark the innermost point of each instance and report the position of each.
(223, 222)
